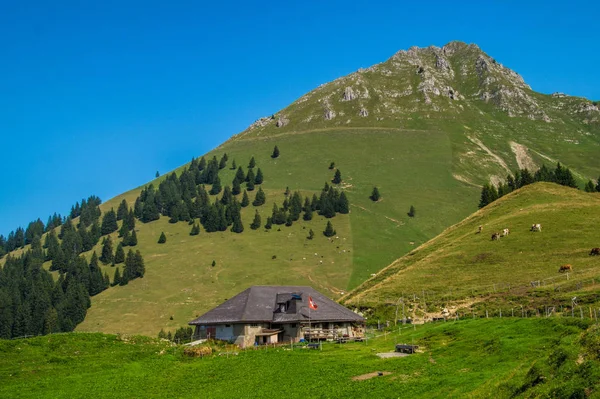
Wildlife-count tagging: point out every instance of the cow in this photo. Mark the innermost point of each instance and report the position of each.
(595, 251)
(536, 227)
(479, 229)
(565, 268)
(505, 232)
(495, 236)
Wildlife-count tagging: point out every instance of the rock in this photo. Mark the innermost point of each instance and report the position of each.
(349, 94)
(481, 65)
(329, 114)
(558, 95)
(282, 121)
(442, 63)
(363, 112)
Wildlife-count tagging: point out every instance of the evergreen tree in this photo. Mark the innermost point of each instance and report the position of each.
(526, 178)
(122, 210)
(314, 203)
(195, 230)
(259, 177)
(256, 223)
(157, 174)
(375, 196)
(544, 174)
(202, 164)
(311, 234)
(125, 240)
(138, 208)
(590, 187)
(337, 178)
(412, 212)
(107, 256)
(216, 187)
(289, 220)
(250, 176)
(252, 163)
(132, 239)
(269, 223)
(488, 195)
(343, 206)
(245, 200)
(109, 222)
(260, 198)
(239, 175)
(332, 165)
(329, 231)
(233, 165)
(308, 214)
(119, 254)
(163, 238)
(237, 188)
(275, 153)
(564, 176)
(223, 162)
(295, 206)
(117, 278)
(237, 227)
(598, 185)
(96, 278)
(227, 196)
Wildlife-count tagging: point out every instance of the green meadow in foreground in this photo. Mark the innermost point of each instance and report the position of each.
(535, 357)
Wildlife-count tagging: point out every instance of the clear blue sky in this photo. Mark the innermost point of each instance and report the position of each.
(95, 97)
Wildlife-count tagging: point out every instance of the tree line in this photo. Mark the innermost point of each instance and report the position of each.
(523, 177)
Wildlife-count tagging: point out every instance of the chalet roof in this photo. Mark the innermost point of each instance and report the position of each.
(259, 304)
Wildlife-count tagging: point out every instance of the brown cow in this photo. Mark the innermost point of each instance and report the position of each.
(565, 268)
(595, 251)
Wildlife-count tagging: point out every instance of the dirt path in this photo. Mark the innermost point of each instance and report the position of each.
(498, 160)
(242, 136)
(398, 222)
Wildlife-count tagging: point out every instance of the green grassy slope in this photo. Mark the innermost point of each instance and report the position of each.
(470, 358)
(468, 263)
(430, 136)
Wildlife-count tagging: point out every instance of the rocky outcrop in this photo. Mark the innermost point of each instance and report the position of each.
(329, 114)
(363, 112)
(349, 94)
(282, 121)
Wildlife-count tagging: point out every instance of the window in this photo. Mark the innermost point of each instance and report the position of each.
(254, 325)
(294, 325)
(227, 325)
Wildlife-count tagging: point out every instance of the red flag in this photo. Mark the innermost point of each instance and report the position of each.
(312, 304)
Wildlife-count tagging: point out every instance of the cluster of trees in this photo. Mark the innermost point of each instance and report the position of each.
(32, 303)
(330, 202)
(134, 268)
(182, 335)
(185, 198)
(88, 211)
(590, 187)
(523, 177)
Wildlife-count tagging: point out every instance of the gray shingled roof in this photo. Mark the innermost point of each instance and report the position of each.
(258, 304)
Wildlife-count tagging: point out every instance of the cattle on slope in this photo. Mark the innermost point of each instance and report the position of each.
(565, 268)
(495, 236)
(536, 227)
(595, 252)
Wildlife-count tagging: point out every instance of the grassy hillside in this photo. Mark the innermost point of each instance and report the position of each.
(427, 127)
(461, 263)
(472, 358)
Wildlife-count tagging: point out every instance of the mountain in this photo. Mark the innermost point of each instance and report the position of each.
(427, 127)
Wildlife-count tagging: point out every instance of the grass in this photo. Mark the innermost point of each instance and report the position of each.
(467, 262)
(470, 358)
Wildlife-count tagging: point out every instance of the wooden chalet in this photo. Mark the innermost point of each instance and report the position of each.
(272, 314)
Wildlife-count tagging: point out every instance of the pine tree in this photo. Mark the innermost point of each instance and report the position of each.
(237, 227)
(239, 175)
(311, 234)
(223, 162)
(227, 196)
(289, 220)
(308, 214)
(250, 176)
(256, 223)
(237, 188)
(157, 174)
(412, 212)
(122, 210)
(598, 185)
(119, 254)
(329, 231)
(259, 177)
(195, 230)
(252, 163)
(375, 196)
(216, 187)
(275, 153)
(163, 238)
(96, 278)
(269, 223)
(343, 206)
(295, 206)
(488, 195)
(245, 200)
(117, 278)
(132, 239)
(332, 165)
(107, 256)
(260, 198)
(233, 165)
(590, 187)
(337, 178)
(109, 222)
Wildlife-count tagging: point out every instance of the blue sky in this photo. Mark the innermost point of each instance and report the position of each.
(95, 97)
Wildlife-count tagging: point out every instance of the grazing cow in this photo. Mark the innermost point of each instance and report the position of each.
(565, 268)
(536, 227)
(595, 251)
(480, 229)
(505, 232)
(495, 236)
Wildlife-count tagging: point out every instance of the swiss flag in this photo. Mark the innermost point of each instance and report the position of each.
(312, 303)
